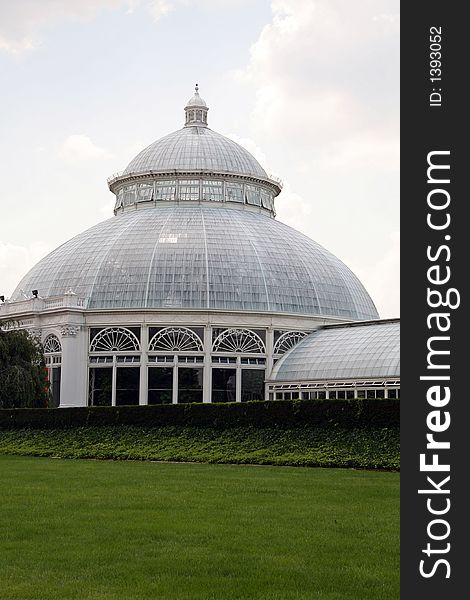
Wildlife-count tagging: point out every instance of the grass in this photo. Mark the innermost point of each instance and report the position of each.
(321, 446)
(108, 530)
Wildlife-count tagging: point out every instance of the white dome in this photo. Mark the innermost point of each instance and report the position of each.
(201, 257)
(196, 149)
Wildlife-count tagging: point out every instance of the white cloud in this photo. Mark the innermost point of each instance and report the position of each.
(15, 261)
(20, 20)
(80, 148)
(324, 75)
(323, 68)
(252, 148)
(160, 8)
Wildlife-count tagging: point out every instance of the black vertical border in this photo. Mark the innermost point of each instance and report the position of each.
(424, 129)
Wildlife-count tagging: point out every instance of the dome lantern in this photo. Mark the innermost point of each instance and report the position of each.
(196, 110)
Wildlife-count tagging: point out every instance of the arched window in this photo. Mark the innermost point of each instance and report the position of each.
(288, 340)
(239, 340)
(175, 339)
(52, 345)
(115, 339)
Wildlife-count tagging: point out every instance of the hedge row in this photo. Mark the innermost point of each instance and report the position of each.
(357, 413)
(363, 448)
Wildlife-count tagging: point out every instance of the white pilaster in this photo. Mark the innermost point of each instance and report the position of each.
(238, 379)
(207, 375)
(144, 343)
(269, 352)
(114, 381)
(74, 371)
(175, 381)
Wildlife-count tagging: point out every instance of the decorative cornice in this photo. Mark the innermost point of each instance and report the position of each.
(69, 330)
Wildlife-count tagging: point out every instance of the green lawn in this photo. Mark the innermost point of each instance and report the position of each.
(85, 529)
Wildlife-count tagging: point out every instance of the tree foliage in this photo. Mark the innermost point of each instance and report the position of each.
(23, 376)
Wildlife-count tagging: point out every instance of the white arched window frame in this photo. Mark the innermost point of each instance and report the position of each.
(239, 341)
(288, 340)
(52, 345)
(175, 339)
(115, 339)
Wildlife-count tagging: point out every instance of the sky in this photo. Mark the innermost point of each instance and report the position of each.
(310, 87)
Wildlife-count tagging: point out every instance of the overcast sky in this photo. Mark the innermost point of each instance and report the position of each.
(311, 88)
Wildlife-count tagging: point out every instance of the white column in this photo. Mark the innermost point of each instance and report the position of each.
(175, 381)
(238, 380)
(113, 384)
(74, 368)
(207, 374)
(269, 351)
(144, 343)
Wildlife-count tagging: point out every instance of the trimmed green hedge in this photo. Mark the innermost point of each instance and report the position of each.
(365, 448)
(279, 413)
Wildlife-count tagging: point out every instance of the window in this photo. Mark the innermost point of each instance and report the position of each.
(144, 192)
(127, 386)
(189, 384)
(176, 339)
(129, 195)
(234, 192)
(288, 340)
(212, 190)
(266, 199)
(252, 384)
(252, 194)
(165, 190)
(100, 386)
(52, 345)
(188, 189)
(115, 339)
(160, 385)
(224, 385)
(239, 340)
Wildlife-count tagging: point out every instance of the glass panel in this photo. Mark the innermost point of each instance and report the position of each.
(253, 384)
(127, 386)
(223, 385)
(55, 388)
(119, 198)
(189, 384)
(100, 386)
(144, 192)
(234, 192)
(252, 193)
(165, 190)
(129, 194)
(392, 393)
(266, 199)
(188, 189)
(160, 385)
(212, 190)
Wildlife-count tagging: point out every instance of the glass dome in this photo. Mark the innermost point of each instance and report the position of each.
(196, 148)
(201, 257)
(194, 229)
(366, 350)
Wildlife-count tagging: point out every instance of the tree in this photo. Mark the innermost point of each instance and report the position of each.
(23, 375)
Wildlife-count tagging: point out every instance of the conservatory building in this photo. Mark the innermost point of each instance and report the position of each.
(192, 291)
